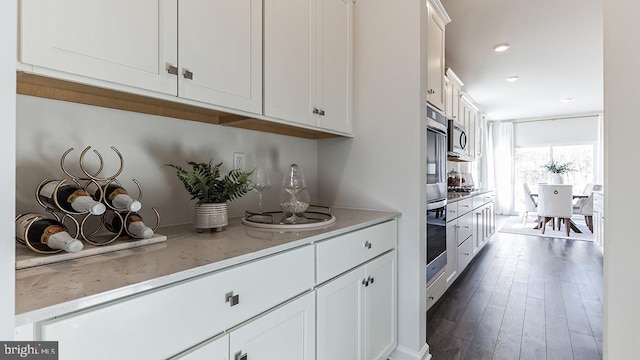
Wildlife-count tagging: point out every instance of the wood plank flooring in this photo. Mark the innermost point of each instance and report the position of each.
(523, 297)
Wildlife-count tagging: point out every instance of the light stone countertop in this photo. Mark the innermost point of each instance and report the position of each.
(457, 196)
(47, 291)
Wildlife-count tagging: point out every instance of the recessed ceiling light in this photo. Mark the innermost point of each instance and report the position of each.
(566, 100)
(512, 78)
(501, 47)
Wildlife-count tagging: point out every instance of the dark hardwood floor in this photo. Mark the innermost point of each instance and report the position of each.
(522, 297)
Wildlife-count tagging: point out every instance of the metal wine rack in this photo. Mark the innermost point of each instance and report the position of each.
(84, 227)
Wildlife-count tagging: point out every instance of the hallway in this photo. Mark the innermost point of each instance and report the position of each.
(523, 298)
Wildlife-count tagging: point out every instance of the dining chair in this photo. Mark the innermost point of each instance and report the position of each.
(530, 204)
(584, 207)
(554, 201)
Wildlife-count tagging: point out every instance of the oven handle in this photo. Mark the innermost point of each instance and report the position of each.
(436, 204)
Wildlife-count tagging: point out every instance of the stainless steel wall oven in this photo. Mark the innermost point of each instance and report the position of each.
(436, 192)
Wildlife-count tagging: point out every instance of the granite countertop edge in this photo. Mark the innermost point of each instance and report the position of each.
(54, 302)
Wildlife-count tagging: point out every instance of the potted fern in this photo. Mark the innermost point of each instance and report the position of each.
(212, 191)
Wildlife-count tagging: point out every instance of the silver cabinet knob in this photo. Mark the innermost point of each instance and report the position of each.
(240, 356)
(232, 299)
(187, 74)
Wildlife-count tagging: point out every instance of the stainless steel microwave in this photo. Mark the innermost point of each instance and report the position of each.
(457, 136)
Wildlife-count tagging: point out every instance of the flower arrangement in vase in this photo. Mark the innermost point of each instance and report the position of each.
(557, 169)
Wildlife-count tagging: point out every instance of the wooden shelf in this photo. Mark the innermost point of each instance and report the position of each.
(50, 88)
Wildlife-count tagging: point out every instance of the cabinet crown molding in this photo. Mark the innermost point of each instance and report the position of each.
(439, 8)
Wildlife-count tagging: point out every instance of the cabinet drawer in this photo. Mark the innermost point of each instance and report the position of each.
(465, 254)
(339, 254)
(436, 289)
(182, 315)
(464, 206)
(465, 227)
(452, 211)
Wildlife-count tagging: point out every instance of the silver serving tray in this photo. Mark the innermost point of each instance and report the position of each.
(319, 217)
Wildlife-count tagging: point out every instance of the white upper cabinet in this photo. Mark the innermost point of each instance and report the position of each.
(220, 48)
(308, 62)
(208, 51)
(121, 41)
(435, 58)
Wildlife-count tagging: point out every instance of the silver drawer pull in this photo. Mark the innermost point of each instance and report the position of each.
(365, 282)
(173, 70)
(367, 244)
(240, 356)
(370, 280)
(232, 299)
(187, 74)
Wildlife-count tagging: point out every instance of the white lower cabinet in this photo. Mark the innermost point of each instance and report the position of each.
(436, 289)
(465, 254)
(182, 315)
(286, 333)
(273, 307)
(356, 312)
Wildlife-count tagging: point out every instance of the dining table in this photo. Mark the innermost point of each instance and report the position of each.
(573, 225)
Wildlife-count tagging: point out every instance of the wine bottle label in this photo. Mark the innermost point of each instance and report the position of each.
(116, 192)
(21, 225)
(133, 218)
(76, 194)
(50, 230)
(47, 189)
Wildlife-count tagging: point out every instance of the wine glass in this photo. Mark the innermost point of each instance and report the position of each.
(293, 183)
(261, 183)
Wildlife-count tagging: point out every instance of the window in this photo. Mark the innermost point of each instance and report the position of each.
(529, 161)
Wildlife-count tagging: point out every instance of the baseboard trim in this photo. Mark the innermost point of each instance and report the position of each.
(403, 353)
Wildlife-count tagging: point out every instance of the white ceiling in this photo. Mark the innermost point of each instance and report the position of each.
(556, 50)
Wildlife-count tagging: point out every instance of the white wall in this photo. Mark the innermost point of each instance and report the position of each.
(383, 167)
(47, 128)
(8, 37)
(621, 128)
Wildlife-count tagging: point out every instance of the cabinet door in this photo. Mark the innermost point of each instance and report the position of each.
(465, 254)
(341, 317)
(335, 65)
(120, 41)
(290, 59)
(435, 60)
(380, 305)
(220, 45)
(287, 333)
(451, 270)
(478, 228)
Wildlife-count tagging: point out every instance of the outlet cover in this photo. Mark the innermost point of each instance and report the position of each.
(238, 161)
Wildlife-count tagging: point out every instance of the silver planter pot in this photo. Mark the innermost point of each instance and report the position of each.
(210, 216)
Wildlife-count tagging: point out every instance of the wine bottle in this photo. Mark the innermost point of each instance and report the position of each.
(117, 197)
(70, 197)
(134, 224)
(45, 234)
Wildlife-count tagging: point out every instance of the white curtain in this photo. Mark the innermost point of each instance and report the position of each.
(503, 169)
